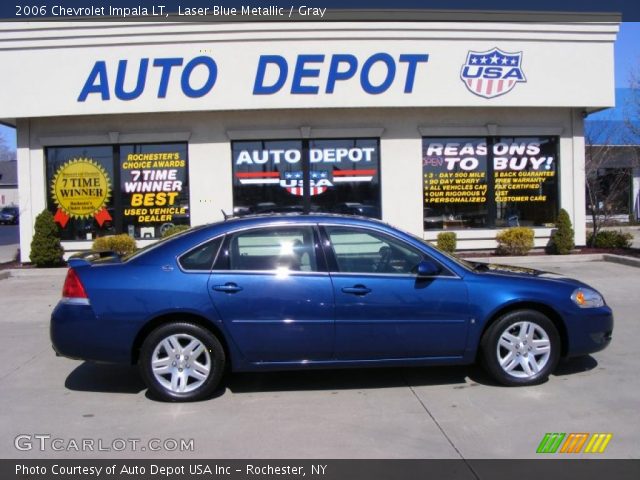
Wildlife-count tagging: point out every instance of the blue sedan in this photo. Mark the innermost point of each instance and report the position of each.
(279, 292)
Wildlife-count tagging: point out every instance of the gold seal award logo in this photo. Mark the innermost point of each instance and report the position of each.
(81, 188)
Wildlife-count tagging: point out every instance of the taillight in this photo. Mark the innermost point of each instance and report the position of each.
(73, 287)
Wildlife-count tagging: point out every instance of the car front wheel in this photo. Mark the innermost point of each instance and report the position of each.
(521, 348)
(181, 362)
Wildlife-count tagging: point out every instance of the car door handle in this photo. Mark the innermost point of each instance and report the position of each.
(228, 288)
(357, 290)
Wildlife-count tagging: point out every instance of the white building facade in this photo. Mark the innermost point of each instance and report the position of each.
(468, 127)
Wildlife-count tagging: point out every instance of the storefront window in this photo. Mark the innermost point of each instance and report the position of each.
(526, 181)
(344, 176)
(154, 188)
(455, 183)
(260, 172)
(489, 182)
(139, 189)
(80, 190)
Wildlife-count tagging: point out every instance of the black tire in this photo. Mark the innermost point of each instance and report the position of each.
(522, 353)
(212, 355)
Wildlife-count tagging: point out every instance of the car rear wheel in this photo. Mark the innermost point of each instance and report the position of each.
(181, 362)
(521, 348)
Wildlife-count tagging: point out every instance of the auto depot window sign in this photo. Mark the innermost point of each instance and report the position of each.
(283, 167)
(81, 189)
(153, 183)
(458, 172)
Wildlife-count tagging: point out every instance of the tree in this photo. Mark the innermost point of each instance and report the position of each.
(611, 154)
(562, 238)
(46, 250)
(6, 152)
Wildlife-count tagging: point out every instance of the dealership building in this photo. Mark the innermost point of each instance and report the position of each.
(462, 126)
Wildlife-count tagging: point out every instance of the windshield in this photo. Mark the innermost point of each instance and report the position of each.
(459, 261)
(162, 241)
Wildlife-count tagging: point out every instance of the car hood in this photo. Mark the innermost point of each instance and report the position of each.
(521, 272)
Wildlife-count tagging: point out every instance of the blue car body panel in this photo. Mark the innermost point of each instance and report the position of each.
(308, 319)
(277, 318)
(402, 317)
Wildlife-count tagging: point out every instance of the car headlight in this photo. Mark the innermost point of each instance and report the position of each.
(587, 298)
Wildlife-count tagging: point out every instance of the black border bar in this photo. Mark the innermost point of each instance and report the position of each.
(287, 469)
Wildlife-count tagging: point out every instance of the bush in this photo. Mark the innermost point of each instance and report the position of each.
(173, 230)
(611, 239)
(514, 241)
(46, 250)
(447, 241)
(562, 238)
(121, 244)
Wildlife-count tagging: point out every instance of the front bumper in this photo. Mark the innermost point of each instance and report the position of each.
(589, 330)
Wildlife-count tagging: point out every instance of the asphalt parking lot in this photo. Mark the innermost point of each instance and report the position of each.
(450, 412)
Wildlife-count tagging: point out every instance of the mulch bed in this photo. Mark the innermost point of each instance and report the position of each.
(15, 265)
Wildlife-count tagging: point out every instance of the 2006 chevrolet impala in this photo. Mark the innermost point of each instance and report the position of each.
(317, 291)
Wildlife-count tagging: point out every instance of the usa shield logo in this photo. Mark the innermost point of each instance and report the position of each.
(492, 73)
(294, 183)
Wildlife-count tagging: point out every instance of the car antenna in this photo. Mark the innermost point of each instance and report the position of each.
(225, 215)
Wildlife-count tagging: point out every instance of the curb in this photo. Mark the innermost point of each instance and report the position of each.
(621, 259)
(591, 257)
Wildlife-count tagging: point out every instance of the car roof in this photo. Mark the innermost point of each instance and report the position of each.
(295, 217)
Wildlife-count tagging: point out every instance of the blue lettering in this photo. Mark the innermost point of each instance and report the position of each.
(515, 72)
(166, 64)
(301, 72)
(471, 72)
(412, 64)
(142, 78)
(259, 88)
(99, 74)
(334, 72)
(210, 64)
(367, 86)
(492, 72)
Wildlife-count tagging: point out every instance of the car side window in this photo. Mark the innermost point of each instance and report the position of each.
(201, 257)
(363, 251)
(273, 248)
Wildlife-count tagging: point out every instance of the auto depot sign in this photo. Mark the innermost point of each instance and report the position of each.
(373, 75)
(334, 73)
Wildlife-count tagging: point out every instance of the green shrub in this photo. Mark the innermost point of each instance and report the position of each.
(447, 241)
(562, 238)
(46, 250)
(121, 244)
(514, 241)
(173, 230)
(611, 239)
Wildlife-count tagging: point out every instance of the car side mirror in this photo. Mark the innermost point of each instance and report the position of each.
(427, 268)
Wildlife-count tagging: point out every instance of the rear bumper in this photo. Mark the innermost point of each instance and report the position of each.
(590, 330)
(77, 333)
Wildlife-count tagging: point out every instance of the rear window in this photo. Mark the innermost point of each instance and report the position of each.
(202, 257)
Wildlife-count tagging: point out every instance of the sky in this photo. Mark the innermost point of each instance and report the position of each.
(627, 52)
(627, 57)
